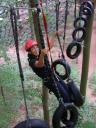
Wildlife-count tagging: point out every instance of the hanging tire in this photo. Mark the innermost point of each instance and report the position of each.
(59, 116)
(75, 94)
(88, 4)
(86, 11)
(79, 20)
(32, 123)
(62, 88)
(66, 67)
(76, 53)
(77, 31)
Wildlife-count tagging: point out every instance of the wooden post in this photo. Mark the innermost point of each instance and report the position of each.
(33, 3)
(86, 56)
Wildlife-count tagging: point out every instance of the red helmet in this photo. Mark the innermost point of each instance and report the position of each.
(29, 44)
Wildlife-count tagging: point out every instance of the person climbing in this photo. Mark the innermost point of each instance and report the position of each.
(36, 59)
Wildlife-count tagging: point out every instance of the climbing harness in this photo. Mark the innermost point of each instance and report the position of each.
(28, 123)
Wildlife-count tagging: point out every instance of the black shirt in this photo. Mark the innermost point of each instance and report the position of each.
(43, 72)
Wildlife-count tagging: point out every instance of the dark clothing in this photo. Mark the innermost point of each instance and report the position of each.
(50, 80)
(43, 72)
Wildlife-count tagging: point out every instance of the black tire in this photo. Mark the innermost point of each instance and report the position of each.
(88, 4)
(59, 116)
(80, 19)
(69, 50)
(79, 29)
(75, 94)
(86, 11)
(32, 123)
(63, 90)
(66, 67)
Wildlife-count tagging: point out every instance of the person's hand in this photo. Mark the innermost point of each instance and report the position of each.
(44, 51)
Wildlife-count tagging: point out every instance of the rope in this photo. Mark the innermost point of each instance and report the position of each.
(65, 24)
(75, 11)
(46, 28)
(15, 34)
(57, 19)
(52, 70)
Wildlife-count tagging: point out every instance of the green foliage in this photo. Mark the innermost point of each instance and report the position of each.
(93, 83)
(75, 73)
(8, 76)
(3, 53)
(89, 125)
(87, 116)
(6, 114)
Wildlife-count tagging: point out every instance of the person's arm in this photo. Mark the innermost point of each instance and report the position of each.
(40, 62)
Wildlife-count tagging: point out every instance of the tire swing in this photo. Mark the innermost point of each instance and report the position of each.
(87, 8)
(65, 66)
(28, 123)
(75, 33)
(73, 55)
(59, 120)
(88, 4)
(77, 39)
(61, 62)
(80, 20)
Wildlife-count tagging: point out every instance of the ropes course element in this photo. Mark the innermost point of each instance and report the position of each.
(71, 85)
(67, 94)
(28, 123)
(57, 89)
(60, 115)
(61, 61)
